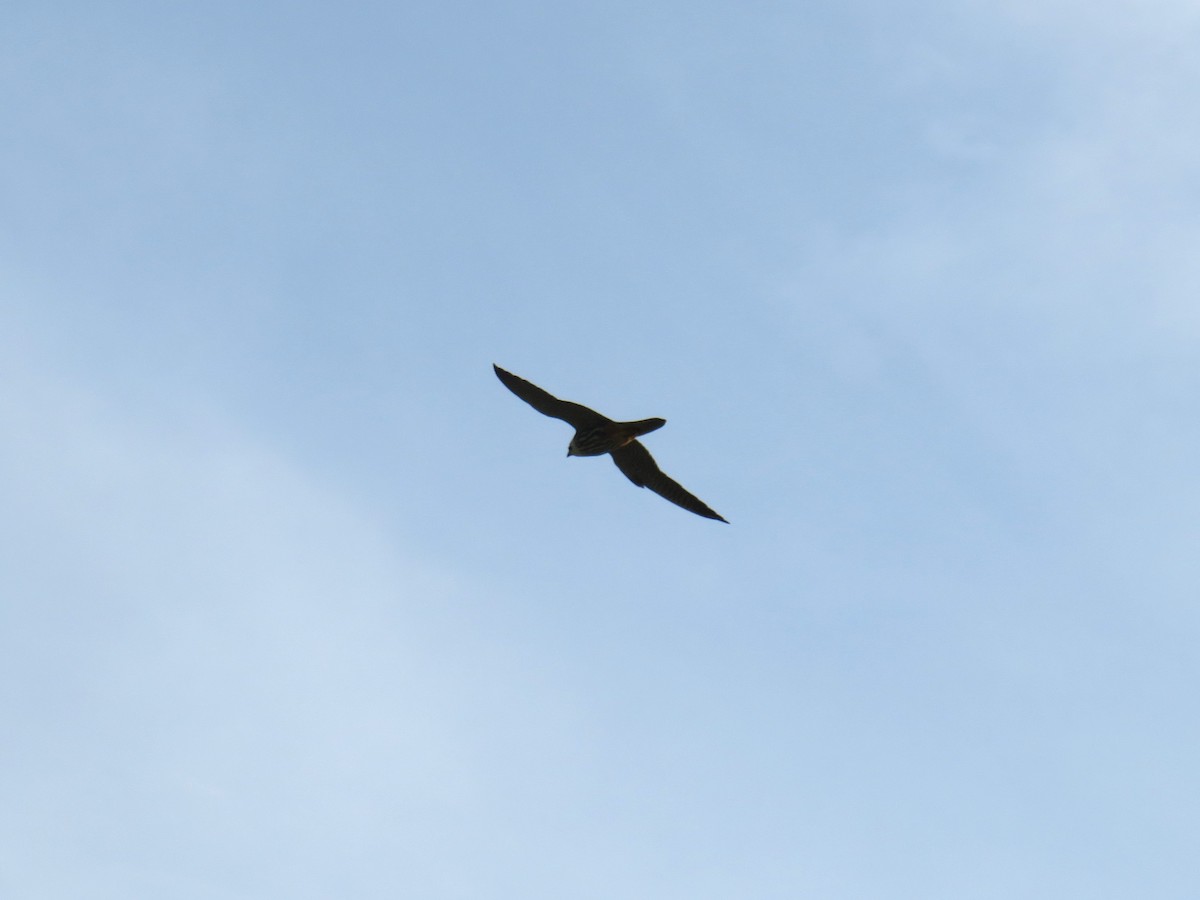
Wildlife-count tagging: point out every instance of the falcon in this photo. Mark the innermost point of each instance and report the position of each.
(596, 435)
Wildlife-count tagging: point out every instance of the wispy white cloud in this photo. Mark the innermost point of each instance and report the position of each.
(207, 647)
(1042, 274)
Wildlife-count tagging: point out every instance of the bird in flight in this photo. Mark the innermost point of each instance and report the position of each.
(596, 435)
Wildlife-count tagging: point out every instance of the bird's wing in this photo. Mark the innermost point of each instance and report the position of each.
(639, 467)
(548, 404)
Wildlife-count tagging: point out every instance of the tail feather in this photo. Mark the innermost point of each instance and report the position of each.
(642, 426)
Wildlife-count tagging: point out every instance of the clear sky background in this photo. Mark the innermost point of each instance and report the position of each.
(297, 601)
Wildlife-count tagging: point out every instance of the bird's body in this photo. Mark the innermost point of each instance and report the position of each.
(596, 440)
(596, 435)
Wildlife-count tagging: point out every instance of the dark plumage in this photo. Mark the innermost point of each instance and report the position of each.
(596, 434)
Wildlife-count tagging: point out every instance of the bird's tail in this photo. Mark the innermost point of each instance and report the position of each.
(642, 426)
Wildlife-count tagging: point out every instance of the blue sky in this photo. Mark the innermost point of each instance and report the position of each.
(296, 600)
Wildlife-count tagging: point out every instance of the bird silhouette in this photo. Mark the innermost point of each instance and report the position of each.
(596, 435)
